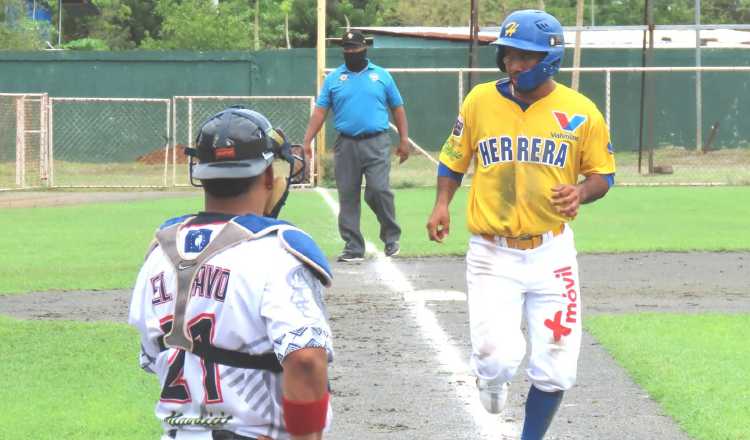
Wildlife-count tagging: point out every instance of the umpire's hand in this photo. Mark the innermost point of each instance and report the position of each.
(403, 151)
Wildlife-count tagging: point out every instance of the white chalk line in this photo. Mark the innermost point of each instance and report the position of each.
(459, 374)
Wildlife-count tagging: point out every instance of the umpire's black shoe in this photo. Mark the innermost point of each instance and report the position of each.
(349, 257)
(392, 249)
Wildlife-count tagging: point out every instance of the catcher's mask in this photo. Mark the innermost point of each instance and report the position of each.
(535, 31)
(238, 143)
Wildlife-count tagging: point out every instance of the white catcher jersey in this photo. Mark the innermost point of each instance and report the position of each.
(256, 297)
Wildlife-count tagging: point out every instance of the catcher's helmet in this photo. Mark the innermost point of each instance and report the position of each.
(239, 143)
(234, 143)
(536, 31)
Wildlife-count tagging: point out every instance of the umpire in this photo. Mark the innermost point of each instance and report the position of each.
(360, 94)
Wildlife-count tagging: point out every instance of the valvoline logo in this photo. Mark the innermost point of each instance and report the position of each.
(569, 124)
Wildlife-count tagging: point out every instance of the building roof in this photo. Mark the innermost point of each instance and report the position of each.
(620, 38)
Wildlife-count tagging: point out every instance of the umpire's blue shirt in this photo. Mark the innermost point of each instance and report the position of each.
(360, 100)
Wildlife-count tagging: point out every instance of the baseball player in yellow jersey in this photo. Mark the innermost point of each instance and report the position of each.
(530, 139)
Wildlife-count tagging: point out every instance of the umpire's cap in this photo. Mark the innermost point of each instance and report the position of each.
(233, 144)
(353, 39)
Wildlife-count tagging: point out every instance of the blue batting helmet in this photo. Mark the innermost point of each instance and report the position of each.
(536, 31)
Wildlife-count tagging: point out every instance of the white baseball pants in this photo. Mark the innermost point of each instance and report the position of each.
(541, 284)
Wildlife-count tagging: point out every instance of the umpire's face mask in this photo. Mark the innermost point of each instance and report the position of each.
(356, 61)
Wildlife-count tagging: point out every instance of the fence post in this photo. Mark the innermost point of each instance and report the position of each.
(20, 142)
(460, 88)
(43, 140)
(608, 104)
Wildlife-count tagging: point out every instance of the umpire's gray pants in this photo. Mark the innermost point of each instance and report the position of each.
(371, 158)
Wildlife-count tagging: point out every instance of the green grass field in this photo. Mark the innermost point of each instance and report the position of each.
(100, 246)
(66, 380)
(695, 366)
(81, 381)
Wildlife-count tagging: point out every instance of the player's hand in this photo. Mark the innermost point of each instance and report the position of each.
(438, 225)
(403, 151)
(566, 199)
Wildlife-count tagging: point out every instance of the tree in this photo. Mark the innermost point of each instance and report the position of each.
(199, 25)
(17, 31)
(111, 24)
(447, 12)
(303, 18)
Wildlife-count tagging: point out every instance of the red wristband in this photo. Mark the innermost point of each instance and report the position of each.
(305, 417)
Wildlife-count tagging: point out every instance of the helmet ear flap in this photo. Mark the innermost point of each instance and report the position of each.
(499, 54)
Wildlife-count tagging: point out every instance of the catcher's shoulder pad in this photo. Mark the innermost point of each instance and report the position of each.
(174, 220)
(294, 240)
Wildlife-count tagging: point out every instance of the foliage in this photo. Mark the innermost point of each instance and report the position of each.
(86, 44)
(110, 24)
(17, 32)
(448, 12)
(192, 24)
(199, 25)
(615, 12)
(303, 19)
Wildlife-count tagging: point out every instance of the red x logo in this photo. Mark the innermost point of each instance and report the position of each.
(558, 330)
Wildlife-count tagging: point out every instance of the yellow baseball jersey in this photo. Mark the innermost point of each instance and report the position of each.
(520, 155)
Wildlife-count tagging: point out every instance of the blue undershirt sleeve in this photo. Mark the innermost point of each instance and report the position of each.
(444, 171)
(610, 178)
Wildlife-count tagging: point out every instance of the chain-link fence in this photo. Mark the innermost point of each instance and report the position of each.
(656, 136)
(126, 142)
(23, 152)
(289, 113)
(109, 142)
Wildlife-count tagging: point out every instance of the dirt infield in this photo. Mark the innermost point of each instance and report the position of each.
(387, 382)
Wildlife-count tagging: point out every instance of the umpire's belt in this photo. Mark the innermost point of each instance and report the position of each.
(524, 242)
(362, 136)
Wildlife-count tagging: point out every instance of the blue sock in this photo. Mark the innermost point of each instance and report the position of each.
(540, 409)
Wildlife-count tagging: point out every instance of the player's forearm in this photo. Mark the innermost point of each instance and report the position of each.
(306, 374)
(594, 187)
(305, 388)
(316, 121)
(402, 125)
(446, 188)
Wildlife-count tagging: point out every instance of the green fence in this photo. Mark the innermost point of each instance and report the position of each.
(432, 99)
